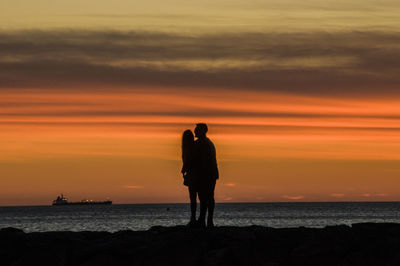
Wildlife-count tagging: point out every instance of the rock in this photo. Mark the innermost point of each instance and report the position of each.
(10, 230)
(360, 244)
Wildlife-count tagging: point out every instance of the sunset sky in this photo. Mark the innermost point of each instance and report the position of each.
(302, 98)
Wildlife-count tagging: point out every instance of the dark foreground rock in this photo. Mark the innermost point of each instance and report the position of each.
(361, 244)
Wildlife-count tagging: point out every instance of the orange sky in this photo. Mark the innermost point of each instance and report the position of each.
(125, 145)
(302, 98)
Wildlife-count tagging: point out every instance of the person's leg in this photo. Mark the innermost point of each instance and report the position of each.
(203, 207)
(193, 204)
(211, 206)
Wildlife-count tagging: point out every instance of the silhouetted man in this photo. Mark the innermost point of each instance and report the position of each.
(207, 172)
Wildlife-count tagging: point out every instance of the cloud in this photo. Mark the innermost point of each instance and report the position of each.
(337, 195)
(367, 195)
(133, 187)
(308, 63)
(230, 184)
(297, 197)
(209, 112)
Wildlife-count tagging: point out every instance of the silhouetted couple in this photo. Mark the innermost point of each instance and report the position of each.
(200, 173)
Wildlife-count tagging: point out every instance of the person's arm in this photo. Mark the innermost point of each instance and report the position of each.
(216, 172)
(184, 169)
(213, 166)
(184, 163)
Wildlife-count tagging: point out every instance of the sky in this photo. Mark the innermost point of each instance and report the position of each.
(302, 99)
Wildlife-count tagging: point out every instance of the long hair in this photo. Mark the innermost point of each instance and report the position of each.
(187, 143)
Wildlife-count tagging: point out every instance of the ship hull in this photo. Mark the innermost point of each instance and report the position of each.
(84, 203)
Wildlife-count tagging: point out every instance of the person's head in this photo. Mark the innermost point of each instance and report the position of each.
(187, 139)
(201, 130)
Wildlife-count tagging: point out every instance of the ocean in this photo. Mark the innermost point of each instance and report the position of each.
(143, 216)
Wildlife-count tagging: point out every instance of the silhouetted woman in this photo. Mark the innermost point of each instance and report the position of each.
(188, 172)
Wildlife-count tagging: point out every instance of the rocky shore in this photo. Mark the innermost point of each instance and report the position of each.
(360, 244)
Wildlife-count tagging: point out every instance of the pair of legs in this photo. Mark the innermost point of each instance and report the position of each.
(207, 203)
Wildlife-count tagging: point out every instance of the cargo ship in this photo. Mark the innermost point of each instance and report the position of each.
(61, 200)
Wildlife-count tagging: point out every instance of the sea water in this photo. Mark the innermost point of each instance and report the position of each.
(143, 216)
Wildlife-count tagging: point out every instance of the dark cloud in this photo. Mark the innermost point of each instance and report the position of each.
(313, 63)
(208, 112)
(226, 127)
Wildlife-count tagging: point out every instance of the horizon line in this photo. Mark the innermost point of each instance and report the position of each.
(238, 202)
